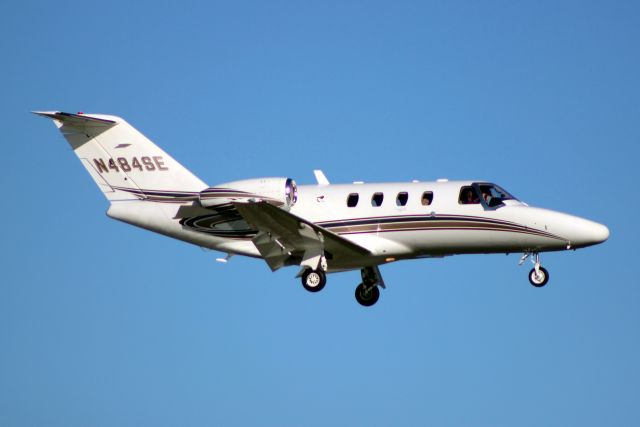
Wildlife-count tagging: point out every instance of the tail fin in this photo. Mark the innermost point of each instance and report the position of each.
(122, 161)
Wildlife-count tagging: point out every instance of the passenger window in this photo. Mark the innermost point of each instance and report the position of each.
(402, 199)
(352, 200)
(468, 196)
(427, 198)
(376, 199)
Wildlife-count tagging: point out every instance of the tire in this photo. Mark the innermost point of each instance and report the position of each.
(314, 280)
(538, 282)
(367, 296)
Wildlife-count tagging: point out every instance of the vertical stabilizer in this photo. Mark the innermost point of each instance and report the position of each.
(123, 162)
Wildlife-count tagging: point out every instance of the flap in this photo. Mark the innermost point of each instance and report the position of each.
(290, 233)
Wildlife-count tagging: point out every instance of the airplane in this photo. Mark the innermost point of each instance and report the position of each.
(322, 228)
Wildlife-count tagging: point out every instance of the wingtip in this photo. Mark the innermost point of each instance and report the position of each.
(45, 113)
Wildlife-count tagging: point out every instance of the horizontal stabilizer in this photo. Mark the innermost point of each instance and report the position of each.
(76, 120)
(78, 129)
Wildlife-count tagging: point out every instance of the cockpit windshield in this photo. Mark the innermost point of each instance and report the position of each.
(488, 194)
(492, 194)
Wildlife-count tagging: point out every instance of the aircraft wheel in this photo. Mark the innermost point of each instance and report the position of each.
(538, 279)
(314, 280)
(367, 296)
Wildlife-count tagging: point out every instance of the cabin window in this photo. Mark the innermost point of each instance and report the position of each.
(402, 198)
(376, 199)
(427, 198)
(352, 200)
(468, 196)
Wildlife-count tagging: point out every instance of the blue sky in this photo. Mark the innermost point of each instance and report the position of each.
(103, 324)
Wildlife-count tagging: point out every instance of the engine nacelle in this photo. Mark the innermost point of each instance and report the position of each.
(281, 192)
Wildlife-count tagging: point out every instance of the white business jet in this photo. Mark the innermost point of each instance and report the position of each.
(321, 228)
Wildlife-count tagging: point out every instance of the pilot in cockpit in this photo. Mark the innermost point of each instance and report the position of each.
(486, 195)
(491, 196)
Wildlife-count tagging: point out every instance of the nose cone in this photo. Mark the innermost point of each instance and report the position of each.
(600, 233)
(569, 231)
(587, 233)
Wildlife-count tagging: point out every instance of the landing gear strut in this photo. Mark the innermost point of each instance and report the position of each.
(314, 280)
(538, 276)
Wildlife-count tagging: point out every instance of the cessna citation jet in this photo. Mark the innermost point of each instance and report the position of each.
(321, 228)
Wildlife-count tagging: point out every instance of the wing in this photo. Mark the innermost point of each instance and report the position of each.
(283, 235)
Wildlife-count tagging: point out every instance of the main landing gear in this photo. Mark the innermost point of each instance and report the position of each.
(538, 276)
(314, 280)
(367, 295)
(367, 292)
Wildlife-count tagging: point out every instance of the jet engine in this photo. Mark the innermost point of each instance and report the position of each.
(281, 192)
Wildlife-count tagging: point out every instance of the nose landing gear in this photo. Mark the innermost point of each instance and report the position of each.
(538, 276)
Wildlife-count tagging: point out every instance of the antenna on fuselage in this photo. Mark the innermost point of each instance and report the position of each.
(320, 177)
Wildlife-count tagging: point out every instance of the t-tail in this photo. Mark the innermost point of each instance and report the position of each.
(124, 163)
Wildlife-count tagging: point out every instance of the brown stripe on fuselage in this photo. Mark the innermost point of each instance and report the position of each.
(422, 225)
(437, 225)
